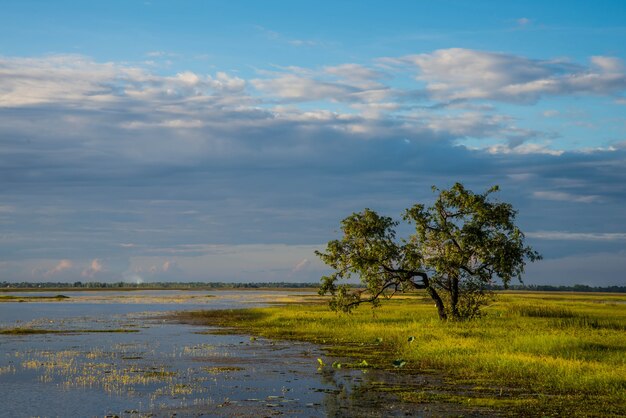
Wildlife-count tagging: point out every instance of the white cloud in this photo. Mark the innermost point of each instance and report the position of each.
(354, 84)
(58, 78)
(608, 65)
(61, 266)
(226, 83)
(357, 74)
(465, 74)
(299, 88)
(550, 113)
(472, 124)
(301, 265)
(161, 54)
(188, 78)
(565, 197)
(143, 269)
(302, 42)
(209, 104)
(521, 176)
(209, 156)
(78, 80)
(524, 149)
(577, 236)
(180, 123)
(93, 269)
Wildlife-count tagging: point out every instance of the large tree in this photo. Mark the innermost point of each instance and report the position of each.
(461, 244)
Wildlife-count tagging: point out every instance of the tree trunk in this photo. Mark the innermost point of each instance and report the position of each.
(441, 309)
(454, 298)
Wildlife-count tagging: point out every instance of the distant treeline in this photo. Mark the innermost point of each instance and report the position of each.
(574, 288)
(267, 285)
(153, 285)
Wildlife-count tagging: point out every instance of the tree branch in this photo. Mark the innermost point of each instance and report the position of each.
(372, 298)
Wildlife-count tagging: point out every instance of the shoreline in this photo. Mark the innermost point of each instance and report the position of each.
(530, 356)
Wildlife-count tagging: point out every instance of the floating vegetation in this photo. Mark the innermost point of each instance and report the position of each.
(12, 298)
(320, 363)
(74, 369)
(178, 389)
(159, 373)
(10, 369)
(200, 350)
(399, 363)
(26, 331)
(222, 369)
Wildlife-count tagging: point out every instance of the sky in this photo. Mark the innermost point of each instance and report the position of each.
(225, 140)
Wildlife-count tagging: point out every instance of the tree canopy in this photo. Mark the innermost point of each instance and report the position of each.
(461, 244)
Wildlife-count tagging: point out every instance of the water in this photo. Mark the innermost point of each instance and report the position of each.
(166, 368)
(162, 369)
(104, 305)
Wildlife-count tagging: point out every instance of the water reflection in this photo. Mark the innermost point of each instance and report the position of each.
(167, 368)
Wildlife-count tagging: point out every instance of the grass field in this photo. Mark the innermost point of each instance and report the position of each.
(534, 353)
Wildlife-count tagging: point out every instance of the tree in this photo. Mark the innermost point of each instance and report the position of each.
(461, 244)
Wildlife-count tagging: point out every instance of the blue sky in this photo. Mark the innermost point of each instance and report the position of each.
(210, 140)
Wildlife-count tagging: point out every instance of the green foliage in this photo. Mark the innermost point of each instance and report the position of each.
(461, 244)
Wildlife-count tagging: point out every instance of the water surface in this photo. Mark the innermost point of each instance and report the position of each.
(166, 368)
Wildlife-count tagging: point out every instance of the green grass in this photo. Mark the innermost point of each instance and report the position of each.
(532, 354)
(11, 298)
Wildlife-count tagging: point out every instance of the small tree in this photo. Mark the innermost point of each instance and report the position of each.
(460, 245)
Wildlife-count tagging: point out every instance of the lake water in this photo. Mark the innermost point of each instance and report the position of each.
(165, 368)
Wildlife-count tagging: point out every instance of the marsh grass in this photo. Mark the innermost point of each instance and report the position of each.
(222, 369)
(11, 298)
(29, 331)
(532, 353)
(114, 372)
(542, 311)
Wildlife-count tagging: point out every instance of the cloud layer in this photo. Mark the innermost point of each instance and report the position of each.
(111, 171)
(463, 74)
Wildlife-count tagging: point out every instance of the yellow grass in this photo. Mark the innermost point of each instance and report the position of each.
(558, 353)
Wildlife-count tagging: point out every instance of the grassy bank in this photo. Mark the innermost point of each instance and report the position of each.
(532, 354)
